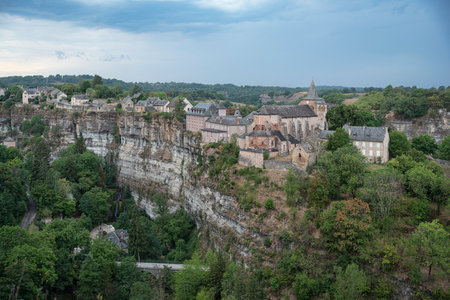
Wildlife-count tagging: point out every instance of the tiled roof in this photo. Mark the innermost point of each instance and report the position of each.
(287, 111)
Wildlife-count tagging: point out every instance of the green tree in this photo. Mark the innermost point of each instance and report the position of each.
(380, 189)
(95, 204)
(179, 112)
(318, 193)
(351, 284)
(84, 85)
(444, 148)
(291, 187)
(431, 243)
(97, 80)
(234, 282)
(90, 280)
(34, 127)
(398, 143)
(142, 237)
(135, 89)
(190, 279)
(420, 181)
(12, 197)
(424, 143)
(127, 275)
(339, 139)
(80, 146)
(305, 287)
(347, 225)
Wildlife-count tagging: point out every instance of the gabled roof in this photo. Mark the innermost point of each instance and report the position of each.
(228, 120)
(202, 109)
(287, 111)
(221, 106)
(365, 133)
(142, 103)
(160, 102)
(125, 100)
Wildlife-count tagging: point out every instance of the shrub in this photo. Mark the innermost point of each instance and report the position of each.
(267, 242)
(269, 204)
(305, 287)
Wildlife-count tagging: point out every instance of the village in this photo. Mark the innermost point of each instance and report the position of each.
(273, 136)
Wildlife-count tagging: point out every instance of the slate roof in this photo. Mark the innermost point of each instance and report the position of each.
(221, 106)
(287, 111)
(142, 103)
(31, 91)
(237, 113)
(364, 133)
(267, 133)
(228, 120)
(202, 109)
(124, 100)
(80, 96)
(324, 134)
(213, 130)
(160, 102)
(119, 237)
(359, 133)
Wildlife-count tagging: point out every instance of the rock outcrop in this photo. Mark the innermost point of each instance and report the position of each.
(155, 155)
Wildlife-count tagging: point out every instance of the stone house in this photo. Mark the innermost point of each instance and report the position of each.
(127, 104)
(79, 99)
(29, 94)
(160, 105)
(141, 105)
(196, 117)
(373, 142)
(187, 105)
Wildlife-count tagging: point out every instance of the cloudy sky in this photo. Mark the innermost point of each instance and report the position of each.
(245, 42)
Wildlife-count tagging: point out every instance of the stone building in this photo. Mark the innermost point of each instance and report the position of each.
(79, 99)
(196, 117)
(187, 105)
(317, 104)
(373, 142)
(221, 127)
(127, 104)
(29, 94)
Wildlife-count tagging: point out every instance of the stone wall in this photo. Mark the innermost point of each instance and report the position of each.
(251, 158)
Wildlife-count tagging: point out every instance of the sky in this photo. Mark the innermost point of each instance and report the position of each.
(357, 43)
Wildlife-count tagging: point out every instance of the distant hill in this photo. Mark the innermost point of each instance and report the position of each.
(245, 94)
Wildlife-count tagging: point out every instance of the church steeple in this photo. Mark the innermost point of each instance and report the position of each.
(312, 93)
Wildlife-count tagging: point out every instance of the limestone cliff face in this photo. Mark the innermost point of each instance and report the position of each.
(155, 155)
(435, 123)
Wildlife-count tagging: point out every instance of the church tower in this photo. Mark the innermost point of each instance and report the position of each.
(317, 104)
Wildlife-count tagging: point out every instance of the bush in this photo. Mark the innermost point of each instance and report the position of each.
(267, 242)
(269, 204)
(305, 287)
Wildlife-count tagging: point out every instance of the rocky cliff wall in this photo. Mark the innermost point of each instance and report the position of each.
(155, 155)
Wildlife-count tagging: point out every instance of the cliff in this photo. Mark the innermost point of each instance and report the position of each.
(155, 155)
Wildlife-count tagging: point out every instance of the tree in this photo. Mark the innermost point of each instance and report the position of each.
(305, 287)
(318, 193)
(95, 204)
(84, 85)
(178, 111)
(347, 225)
(431, 243)
(41, 159)
(234, 282)
(33, 127)
(190, 279)
(424, 143)
(351, 284)
(291, 187)
(420, 181)
(80, 146)
(398, 143)
(440, 192)
(444, 148)
(12, 197)
(339, 139)
(380, 189)
(97, 80)
(135, 89)
(127, 275)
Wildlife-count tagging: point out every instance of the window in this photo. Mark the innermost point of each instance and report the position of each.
(364, 152)
(364, 144)
(370, 153)
(378, 153)
(371, 145)
(378, 145)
